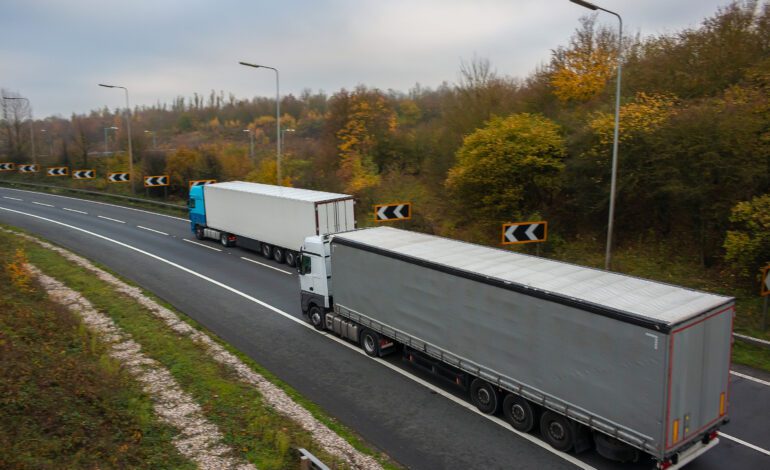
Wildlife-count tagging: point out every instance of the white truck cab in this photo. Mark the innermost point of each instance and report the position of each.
(315, 281)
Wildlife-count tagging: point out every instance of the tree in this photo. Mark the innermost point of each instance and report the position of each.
(508, 169)
(747, 248)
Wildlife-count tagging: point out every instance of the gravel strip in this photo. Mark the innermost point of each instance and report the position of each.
(199, 440)
(273, 395)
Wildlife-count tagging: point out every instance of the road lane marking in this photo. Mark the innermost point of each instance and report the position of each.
(110, 218)
(102, 203)
(201, 244)
(152, 230)
(747, 444)
(266, 265)
(13, 198)
(42, 204)
(304, 324)
(748, 377)
(74, 210)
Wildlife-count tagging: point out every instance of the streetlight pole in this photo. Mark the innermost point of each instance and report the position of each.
(50, 142)
(128, 127)
(277, 116)
(154, 143)
(613, 180)
(283, 136)
(31, 125)
(106, 142)
(251, 143)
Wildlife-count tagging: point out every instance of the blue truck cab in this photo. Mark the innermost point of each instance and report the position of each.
(197, 209)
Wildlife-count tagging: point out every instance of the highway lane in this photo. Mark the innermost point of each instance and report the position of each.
(417, 426)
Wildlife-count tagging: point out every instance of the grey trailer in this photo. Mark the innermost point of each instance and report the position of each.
(629, 361)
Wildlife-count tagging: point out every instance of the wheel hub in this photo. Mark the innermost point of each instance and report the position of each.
(556, 430)
(518, 413)
(483, 396)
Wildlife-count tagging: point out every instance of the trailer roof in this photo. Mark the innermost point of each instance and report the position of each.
(662, 305)
(284, 192)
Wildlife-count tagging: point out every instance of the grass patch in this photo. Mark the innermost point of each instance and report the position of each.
(751, 355)
(64, 403)
(253, 429)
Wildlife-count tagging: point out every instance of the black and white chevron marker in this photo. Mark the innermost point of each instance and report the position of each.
(83, 174)
(389, 212)
(7, 166)
(118, 177)
(57, 171)
(525, 232)
(201, 182)
(29, 168)
(153, 181)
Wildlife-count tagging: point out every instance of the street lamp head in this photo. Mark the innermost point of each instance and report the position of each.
(107, 86)
(585, 4)
(250, 65)
(247, 130)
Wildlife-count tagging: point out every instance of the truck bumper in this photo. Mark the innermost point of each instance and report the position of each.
(692, 453)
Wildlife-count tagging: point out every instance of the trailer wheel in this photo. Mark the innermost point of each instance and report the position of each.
(199, 232)
(370, 342)
(278, 254)
(557, 431)
(317, 317)
(223, 239)
(613, 449)
(267, 251)
(291, 258)
(520, 412)
(484, 396)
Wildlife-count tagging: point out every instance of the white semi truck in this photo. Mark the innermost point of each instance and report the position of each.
(589, 357)
(272, 220)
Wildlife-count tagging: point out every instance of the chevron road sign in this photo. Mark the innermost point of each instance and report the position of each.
(83, 174)
(155, 181)
(524, 232)
(29, 168)
(118, 177)
(201, 182)
(765, 281)
(7, 166)
(57, 171)
(391, 212)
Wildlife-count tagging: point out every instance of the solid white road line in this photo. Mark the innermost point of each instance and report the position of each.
(110, 218)
(747, 444)
(266, 265)
(74, 210)
(304, 324)
(13, 198)
(748, 377)
(42, 204)
(201, 244)
(152, 230)
(97, 202)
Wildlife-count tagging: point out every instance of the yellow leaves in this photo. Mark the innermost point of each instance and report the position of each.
(582, 74)
(643, 115)
(17, 272)
(266, 173)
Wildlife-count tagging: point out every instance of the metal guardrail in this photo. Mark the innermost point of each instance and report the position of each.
(762, 343)
(308, 461)
(97, 193)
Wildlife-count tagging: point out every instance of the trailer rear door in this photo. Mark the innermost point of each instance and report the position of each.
(699, 367)
(335, 216)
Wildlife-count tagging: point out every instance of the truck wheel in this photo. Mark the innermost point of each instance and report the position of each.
(613, 449)
(484, 396)
(267, 251)
(370, 342)
(223, 239)
(278, 254)
(199, 232)
(520, 413)
(557, 431)
(317, 317)
(291, 258)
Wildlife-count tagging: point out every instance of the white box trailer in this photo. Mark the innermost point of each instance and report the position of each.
(638, 365)
(273, 220)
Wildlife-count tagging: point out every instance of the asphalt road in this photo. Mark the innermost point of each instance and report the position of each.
(253, 304)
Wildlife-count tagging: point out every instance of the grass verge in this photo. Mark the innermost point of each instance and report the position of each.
(64, 403)
(261, 435)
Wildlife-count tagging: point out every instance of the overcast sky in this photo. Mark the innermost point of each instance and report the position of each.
(54, 52)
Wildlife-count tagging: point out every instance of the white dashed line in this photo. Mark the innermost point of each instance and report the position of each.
(42, 204)
(12, 198)
(266, 265)
(747, 444)
(110, 218)
(748, 377)
(152, 230)
(74, 210)
(201, 244)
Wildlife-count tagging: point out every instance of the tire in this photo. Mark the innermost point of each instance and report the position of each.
(199, 232)
(267, 251)
(370, 343)
(317, 317)
(223, 239)
(278, 254)
(484, 396)
(291, 258)
(557, 431)
(520, 413)
(613, 449)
